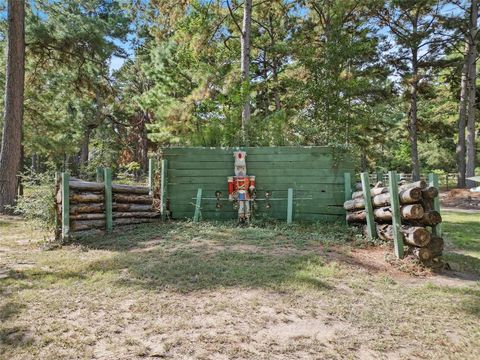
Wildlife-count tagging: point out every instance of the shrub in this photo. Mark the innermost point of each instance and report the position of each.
(37, 202)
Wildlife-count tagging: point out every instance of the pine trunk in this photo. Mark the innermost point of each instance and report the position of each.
(245, 64)
(462, 121)
(412, 114)
(472, 88)
(10, 152)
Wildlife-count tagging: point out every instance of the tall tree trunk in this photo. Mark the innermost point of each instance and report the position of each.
(84, 150)
(22, 164)
(10, 153)
(245, 64)
(472, 88)
(412, 114)
(462, 120)
(142, 147)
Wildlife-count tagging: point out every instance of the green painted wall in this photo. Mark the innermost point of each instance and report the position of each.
(314, 173)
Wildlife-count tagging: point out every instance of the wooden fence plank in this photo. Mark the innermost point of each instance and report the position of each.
(163, 188)
(272, 150)
(255, 166)
(263, 179)
(290, 206)
(396, 217)
(371, 228)
(198, 204)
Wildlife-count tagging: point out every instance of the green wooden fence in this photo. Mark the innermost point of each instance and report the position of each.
(315, 175)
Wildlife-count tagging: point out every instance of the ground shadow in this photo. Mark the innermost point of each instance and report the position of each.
(185, 256)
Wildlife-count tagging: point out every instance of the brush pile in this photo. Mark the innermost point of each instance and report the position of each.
(418, 217)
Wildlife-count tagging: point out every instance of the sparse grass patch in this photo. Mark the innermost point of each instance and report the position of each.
(184, 290)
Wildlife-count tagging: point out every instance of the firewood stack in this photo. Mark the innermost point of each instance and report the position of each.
(130, 205)
(418, 217)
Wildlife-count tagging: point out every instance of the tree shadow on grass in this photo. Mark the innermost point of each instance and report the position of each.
(463, 263)
(186, 256)
(198, 269)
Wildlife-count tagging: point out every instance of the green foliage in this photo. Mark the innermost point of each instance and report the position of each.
(37, 202)
(322, 73)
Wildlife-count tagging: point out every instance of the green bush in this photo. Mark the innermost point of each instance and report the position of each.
(37, 202)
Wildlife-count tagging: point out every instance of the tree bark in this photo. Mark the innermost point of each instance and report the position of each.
(412, 235)
(429, 193)
(245, 64)
(135, 199)
(373, 192)
(129, 214)
(407, 196)
(462, 121)
(413, 117)
(10, 152)
(384, 214)
(472, 88)
(422, 184)
(429, 218)
(83, 158)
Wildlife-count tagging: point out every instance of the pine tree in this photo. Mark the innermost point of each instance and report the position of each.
(10, 153)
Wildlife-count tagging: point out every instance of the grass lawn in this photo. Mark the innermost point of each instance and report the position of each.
(215, 291)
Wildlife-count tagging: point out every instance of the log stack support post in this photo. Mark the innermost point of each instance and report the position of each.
(347, 180)
(151, 175)
(371, 227)
(163, 189)
(108, 199)
(65, 186)
(99, 174)
(198, 204)
(290, 205)
(57, 222)
(379, 175)
(433, 181)
(396, 217)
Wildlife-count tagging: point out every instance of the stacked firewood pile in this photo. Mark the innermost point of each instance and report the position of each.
(418, 217)
(130, 205)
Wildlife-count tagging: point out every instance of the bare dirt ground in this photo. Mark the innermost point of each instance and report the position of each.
(186, 291)
(460, 199)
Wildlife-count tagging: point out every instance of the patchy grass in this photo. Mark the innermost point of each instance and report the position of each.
(462, 232)
(184, 290)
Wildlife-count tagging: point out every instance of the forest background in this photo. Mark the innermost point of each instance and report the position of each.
(108, 82)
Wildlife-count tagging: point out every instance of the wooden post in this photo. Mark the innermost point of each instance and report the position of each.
(58, 178)
(65, 206)
(290, 206)
(433, 181)
(379, 176)
(163, 188)
(348, 186)
(99, 174)
(347, 177)
(371, 228)
(108, 199)
(196, 215)
(396, 216)
(151, 175)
